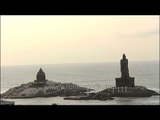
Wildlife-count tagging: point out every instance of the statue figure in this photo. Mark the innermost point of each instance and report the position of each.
(125, 80)
(124, 67)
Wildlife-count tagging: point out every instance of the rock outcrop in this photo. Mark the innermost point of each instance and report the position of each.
(95, 96)
(137, 91)
(41, 87)
(4, 102)
(50, 89)
(110, 93)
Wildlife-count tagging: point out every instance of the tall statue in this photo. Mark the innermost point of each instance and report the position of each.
(124, 67)
(125, 79)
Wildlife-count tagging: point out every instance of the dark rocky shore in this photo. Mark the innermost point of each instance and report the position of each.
(110, 93)
(93, 96)
(4, 102)
(137, 91)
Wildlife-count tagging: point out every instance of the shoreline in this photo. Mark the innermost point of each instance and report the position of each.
(153, 100)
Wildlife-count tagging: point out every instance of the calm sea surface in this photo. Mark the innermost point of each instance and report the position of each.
(97, 76)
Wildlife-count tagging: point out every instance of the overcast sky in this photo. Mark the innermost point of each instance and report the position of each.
(78, 39)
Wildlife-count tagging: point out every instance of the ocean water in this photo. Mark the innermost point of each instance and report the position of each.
(97, 76)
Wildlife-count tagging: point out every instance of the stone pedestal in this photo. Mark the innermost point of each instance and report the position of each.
(129, 82)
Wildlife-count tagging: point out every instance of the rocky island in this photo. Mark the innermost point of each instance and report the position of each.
(41, 87)
(125, 87)
(44, 88)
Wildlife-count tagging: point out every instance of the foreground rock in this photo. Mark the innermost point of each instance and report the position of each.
(137, 91)
(90, 97)
(109, 93)
(50, 89)
(4, 102)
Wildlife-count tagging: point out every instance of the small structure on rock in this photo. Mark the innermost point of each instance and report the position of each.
(41, 78)
(125, 79)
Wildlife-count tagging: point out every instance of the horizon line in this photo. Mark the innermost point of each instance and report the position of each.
(77, 63)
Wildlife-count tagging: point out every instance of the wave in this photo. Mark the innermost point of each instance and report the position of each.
(155, 89)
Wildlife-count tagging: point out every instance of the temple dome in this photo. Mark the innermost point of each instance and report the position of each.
(41, 77)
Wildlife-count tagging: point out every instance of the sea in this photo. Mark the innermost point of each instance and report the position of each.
(97, 76)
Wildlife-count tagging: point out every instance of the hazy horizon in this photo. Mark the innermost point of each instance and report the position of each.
(118, 62)
(37, 40)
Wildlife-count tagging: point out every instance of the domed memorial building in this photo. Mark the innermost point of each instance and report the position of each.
(41, 77)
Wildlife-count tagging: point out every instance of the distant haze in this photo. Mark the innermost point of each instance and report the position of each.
(78, 39)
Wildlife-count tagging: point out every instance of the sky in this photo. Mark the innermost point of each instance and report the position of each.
(28, 40)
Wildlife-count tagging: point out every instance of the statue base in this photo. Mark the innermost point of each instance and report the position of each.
(39, 83)
(122, 82)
